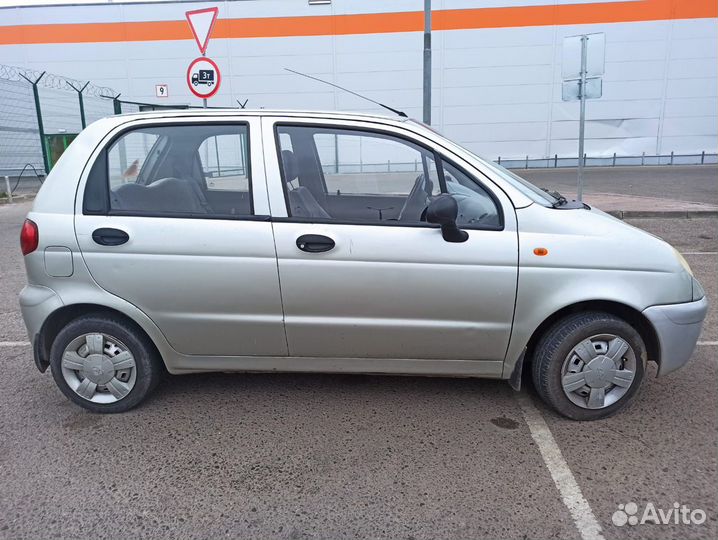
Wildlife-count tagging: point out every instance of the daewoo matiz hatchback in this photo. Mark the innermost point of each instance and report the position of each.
(326, 242)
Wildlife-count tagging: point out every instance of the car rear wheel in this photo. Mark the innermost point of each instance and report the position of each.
(589, 365)
(104, 364)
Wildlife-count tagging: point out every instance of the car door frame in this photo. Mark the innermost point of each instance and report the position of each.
(176, 361)
(277, 193)
(277, 200)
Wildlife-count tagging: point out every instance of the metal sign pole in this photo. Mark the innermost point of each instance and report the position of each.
(427, 61)
(582, 70)
(204, 100)
(582, 117)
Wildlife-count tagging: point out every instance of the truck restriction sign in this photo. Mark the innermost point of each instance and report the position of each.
(203, 77)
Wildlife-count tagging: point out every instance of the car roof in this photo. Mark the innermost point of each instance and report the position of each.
(199, 113)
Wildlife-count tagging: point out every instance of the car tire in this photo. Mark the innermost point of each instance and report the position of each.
(572, 374)
(120, 341)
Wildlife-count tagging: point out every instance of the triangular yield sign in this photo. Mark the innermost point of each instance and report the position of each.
(201, 21)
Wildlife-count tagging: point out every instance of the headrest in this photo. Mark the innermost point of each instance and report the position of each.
(289, 162)
(165, 195)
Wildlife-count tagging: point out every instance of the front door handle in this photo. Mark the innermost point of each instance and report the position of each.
(315, 243)
(107, 236)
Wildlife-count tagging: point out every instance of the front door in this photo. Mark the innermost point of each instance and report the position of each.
(362, 274)
(174, 220)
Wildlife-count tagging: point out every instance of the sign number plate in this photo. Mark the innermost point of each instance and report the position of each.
(161, 90)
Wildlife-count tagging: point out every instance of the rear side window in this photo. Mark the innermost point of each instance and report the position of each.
(180, 171)
(128, 156)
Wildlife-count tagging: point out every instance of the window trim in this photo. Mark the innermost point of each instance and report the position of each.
(439, 158)
(104, 180)
(189, 215)
(323, 221)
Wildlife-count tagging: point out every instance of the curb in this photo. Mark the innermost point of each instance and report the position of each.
(18, 198)
(680, 214)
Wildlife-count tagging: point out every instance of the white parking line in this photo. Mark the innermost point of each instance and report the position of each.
(707, 343)
(577, 505)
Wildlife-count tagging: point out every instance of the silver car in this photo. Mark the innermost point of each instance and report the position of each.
(195, 241)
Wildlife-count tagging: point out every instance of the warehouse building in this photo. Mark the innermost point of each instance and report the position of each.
(496, 65)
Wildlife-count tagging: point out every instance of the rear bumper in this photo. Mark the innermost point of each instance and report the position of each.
(36, 305)
(678, 327)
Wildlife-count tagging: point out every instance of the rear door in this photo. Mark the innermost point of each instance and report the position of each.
(363, 276)
(174, 219)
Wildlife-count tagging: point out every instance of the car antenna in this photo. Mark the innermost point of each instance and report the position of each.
(400, 113)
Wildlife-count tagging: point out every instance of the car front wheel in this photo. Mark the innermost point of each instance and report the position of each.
(589, 365)
(104, 364)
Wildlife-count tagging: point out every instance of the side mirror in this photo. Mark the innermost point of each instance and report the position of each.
(443, 211)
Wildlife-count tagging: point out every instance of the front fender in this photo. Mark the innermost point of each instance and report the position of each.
(592, 257)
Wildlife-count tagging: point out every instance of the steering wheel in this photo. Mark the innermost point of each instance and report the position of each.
(415, 202)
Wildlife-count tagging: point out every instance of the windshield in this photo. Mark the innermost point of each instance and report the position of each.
(527, 188)
(534, 193)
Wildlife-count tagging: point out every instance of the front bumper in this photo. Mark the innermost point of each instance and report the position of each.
(678, 327)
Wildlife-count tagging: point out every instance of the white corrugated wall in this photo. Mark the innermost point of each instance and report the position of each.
(496, 90)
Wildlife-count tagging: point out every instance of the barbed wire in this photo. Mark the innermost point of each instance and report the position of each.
(50, 80)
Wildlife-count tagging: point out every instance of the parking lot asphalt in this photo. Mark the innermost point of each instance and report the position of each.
(692, 183)
(340, 456)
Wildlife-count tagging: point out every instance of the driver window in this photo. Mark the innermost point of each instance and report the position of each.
(354, 175)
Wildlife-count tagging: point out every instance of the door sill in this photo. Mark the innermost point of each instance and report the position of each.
(429, 367)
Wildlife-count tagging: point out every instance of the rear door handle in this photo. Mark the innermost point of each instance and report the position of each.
(107, 236)
(315, 243)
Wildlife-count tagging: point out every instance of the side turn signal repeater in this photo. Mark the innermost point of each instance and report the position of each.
(540, 252)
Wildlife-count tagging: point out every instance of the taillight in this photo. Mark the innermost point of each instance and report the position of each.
(29, 237)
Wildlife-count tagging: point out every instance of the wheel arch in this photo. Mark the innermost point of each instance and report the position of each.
(59, 318)
(629, 314)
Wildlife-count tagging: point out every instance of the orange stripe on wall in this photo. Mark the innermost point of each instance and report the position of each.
(375, 23)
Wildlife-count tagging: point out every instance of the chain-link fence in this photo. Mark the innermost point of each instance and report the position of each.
(41, 113)
(703, 158)
(19, 136)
